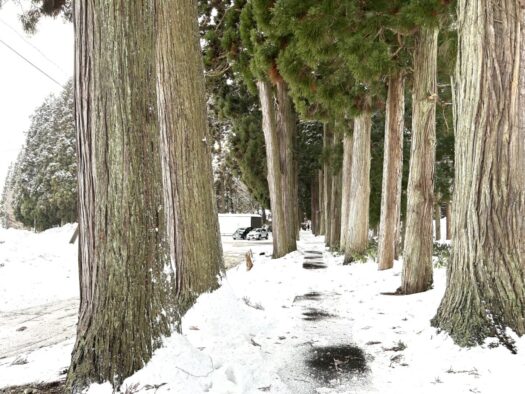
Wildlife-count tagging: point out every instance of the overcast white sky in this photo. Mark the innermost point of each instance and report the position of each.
(22, 87)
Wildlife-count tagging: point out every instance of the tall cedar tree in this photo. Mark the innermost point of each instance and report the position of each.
(139, 267)
(318, 36)
(486, 279)
(252, 53)
(417, 252)
(314, 62)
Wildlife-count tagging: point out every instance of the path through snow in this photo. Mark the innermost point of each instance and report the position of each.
(278, 328)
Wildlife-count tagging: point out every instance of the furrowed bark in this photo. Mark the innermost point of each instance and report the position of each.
(345, 188)
(392, 172)
(139, 265)
(273, 158)
(417, 254)
(287, 132)
(191, 211)
(125, 296)
(486, 278)
(357, 238)
(449, 221)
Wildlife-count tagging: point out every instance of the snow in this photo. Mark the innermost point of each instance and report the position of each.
(251, 336)
(37, 269)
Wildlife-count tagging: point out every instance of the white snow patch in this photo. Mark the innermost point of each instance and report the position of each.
(249, 336)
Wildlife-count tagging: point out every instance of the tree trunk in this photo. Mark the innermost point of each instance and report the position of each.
(392, 172)
(357, 238)
(131, 292)
(437, 221)
(345, 188)
(417, 254)
(335, 204)
(271, 139)
(449, 221)
(122, 241)
(486, 278)
(287, 132)
(191, 212)
(322, 227)
(315, 205)
(327, 177)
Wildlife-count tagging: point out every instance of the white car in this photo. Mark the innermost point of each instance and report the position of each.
(258, 233)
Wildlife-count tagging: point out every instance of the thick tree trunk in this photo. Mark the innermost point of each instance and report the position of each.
(392, 172)
(131, 291)
(345, 188)
(437, 221)
(335, 204)
(287, 132)
(322, 228)
(122, 243)
(449, 221)
(357, 238)
(327, 178)
(417, 254)
(190, 208)
(486, 278)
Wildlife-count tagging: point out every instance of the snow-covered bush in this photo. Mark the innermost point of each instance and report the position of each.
(44, 184)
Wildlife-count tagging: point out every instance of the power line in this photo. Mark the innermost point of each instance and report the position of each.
(35, 66)
(31, 44)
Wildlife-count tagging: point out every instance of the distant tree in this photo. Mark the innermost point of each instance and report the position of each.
(7, 215)
(233, 111)
(309, 147)
(45, 192)
(253, 58)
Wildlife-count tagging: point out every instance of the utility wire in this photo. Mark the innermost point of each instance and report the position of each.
(35, 66)
(31, 44)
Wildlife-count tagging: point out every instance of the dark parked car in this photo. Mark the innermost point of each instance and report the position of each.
(242, 232)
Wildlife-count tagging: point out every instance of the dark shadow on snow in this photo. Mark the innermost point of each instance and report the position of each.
(331, 362)
(313, 314)
(311, 296)
(314, 266)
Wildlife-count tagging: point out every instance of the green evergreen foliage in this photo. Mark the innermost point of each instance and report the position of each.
(309, 148)
(247, 152)
(376, 168)
(45, 187)
(444, 171)
(335, 57)
(230, 102)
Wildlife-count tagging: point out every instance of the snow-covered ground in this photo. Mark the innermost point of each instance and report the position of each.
(264, 330)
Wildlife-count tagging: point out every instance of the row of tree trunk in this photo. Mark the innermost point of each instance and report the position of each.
(485, 292)
(149, 240)
(342, 206)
